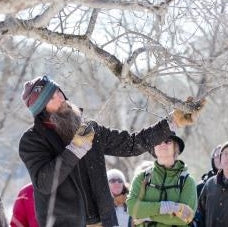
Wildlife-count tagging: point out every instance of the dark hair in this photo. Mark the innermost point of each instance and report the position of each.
(43, 115)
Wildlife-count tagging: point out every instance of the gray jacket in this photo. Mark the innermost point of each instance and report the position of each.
(213, 202)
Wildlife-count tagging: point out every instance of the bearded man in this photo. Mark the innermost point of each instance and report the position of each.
(65, 158)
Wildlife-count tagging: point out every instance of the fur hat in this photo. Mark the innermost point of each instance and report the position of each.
(114, 174)
(37, 93)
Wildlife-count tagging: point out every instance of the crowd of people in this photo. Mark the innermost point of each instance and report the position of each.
(64, 156)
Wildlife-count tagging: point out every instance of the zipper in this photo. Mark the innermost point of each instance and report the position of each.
(163, 183)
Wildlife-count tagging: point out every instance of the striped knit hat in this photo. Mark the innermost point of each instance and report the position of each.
(37, 93)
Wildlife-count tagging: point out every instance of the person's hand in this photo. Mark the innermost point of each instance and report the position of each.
(181, 118)
(185, 213)
(84, 135)
(82, 141)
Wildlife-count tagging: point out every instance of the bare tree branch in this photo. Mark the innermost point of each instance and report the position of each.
(92, 22)
(50, 12)
(12, 6)
(83, 44)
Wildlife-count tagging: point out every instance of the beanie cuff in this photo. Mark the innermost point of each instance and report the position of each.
(43, 98)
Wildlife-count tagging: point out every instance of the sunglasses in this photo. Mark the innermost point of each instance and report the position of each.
(168, 141)
(114, 180)
(38, 89)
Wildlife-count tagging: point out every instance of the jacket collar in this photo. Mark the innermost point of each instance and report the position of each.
(220, 179)
(177, 167)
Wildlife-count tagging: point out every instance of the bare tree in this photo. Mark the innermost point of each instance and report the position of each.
(61, 23)
(164, 51)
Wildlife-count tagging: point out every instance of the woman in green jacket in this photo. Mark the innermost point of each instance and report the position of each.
(164, 195)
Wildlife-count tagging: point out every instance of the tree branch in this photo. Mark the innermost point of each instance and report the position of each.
(12, 6)
(13, 26)
(43, 19)
(92, 22)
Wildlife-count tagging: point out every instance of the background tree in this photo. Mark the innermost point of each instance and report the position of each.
(128, 63)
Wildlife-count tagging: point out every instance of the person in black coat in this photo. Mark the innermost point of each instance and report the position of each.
(65, 157)
(215, 164)
(213, 201)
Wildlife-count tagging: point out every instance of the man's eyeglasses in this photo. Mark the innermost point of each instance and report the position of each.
(114, 180)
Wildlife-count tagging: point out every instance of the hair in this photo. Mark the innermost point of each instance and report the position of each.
(176, 149)
(43, 115)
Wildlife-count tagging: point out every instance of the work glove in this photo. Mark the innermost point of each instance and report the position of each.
(84, 135)
(183, 211)
(168, 207)
(82, 141)
(181, 118)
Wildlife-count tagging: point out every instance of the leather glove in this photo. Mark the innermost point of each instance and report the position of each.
(182, 119)
(183, 211)
(82, 141)
(84, 134)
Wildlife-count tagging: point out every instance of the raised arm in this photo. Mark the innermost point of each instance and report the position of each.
(122, 143)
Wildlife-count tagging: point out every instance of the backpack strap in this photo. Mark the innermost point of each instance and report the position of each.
(180, 183)
(182, 178)
(147, 177)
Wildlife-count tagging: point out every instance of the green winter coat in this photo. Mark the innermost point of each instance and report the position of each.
(146, 203)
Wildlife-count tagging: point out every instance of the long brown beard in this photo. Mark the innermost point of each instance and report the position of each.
(67, 121)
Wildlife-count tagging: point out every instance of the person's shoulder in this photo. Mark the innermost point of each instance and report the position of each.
(210, 183)
(190, 179)
(142, 174)
(211, 180)
(30, 132)
(26, 190)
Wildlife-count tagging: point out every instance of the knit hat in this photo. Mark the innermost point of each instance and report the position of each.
(116, 174)
(216, 151)
(37, 93)
(224, 146)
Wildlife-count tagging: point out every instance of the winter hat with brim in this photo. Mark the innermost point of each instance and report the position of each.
(224, 146)
(176, 139)
(116, 174)
(37, 93)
